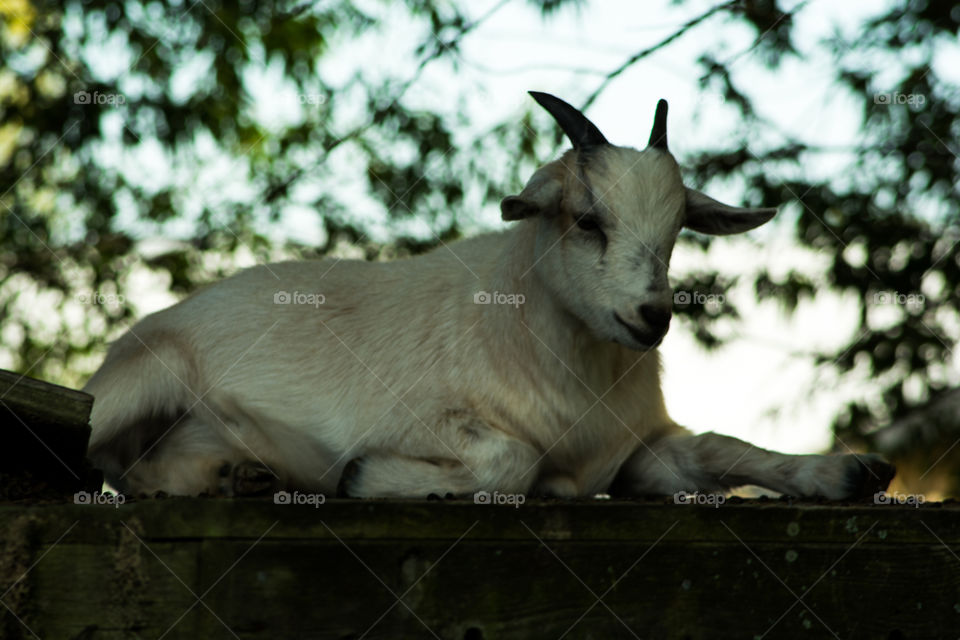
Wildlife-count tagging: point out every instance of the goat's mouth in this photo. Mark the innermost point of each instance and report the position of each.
(646, 339)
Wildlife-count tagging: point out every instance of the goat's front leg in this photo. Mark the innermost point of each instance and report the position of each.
(712, 462)
(470, 457)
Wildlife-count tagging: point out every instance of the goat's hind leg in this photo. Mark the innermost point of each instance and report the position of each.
(192, 458)
(713, 462)
(476, 457)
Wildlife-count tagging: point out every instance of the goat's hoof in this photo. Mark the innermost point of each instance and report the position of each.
(251, 478)
(556, 485)
(349, 478)
(869, 474)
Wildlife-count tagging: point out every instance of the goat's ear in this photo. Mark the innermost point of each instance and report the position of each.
(706, 215)
(540, 196)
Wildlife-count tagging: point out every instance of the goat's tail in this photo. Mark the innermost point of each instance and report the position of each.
(141, 392)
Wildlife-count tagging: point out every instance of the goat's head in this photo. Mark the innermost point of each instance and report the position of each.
(607, 218)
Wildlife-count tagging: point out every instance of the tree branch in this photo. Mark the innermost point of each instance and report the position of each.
(645, 52)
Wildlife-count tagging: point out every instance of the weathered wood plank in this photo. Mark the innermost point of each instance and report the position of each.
(399, 569)
(620, 520)
(44, 431)
(35, 400)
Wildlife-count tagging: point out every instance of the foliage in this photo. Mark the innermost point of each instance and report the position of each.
(889, 223)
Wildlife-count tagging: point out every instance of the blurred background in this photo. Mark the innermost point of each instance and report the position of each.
(147, 148)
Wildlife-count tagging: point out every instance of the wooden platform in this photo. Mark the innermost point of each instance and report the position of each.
(218, 568)
(44, 430)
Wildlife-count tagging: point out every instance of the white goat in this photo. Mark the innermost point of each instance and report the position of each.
(283, 374)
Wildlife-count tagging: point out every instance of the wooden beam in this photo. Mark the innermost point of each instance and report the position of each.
(35, 400)
(44, 431)
(452, 569)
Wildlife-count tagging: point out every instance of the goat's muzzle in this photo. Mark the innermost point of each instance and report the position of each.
(657, 321)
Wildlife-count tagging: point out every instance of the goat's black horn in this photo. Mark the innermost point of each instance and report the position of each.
(579, 129)
(658, 135)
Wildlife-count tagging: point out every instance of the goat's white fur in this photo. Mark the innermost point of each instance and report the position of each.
(432, 393)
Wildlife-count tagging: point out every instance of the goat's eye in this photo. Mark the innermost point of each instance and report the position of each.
(588, 223)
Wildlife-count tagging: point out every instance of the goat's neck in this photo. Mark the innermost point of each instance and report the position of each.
(552, 332)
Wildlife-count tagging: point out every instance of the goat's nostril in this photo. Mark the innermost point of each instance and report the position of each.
(657, 317)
